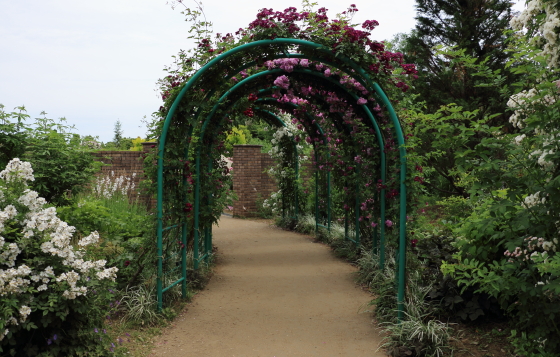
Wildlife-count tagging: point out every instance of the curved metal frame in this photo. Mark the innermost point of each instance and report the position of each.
(362, 78)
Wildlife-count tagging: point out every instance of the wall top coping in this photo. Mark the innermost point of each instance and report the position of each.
(248, 146)
(147, 145)
(101, 152)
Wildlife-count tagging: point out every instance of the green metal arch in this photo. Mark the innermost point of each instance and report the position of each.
(342, 88)
(362, 75)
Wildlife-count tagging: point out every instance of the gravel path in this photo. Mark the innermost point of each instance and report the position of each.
(274, 293)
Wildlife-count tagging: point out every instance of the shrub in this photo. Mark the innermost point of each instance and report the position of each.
(124, 226)
(52, 296)
(61, 164)
(418, 333)
(13, 135)
(62, 161)
(432, 249)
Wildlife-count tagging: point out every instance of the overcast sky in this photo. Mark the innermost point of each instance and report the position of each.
(96, 62)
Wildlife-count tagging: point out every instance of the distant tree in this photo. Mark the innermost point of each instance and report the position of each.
(474, 26)
(118, 138)
(239, 135)
(137, 144)
(473, 34)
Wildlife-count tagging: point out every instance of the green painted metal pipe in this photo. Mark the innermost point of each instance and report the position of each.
(297, 166)
(297, 178)
(345, 225)
(216, 60)
(316, 198)
(184, 233)
(173, 284)
(357, 209)
(253, 77)
(196, 210)
(207, 240)
(402, 203)
(206, 244)
(329, 200)
(375, 249)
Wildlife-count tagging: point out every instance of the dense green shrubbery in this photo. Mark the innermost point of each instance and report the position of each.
(55, 295)
(111, 208)
(125, 235)
(507, 246)
(62, 161)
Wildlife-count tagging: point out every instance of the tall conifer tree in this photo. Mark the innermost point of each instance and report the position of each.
(475, 26)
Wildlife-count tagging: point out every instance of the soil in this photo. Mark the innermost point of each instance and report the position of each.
(274, 293)
(482, 340)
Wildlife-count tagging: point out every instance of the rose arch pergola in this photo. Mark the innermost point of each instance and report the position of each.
(329, 93)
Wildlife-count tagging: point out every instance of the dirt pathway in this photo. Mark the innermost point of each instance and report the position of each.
(274, 293)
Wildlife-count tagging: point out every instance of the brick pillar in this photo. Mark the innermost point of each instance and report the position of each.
(246, 178)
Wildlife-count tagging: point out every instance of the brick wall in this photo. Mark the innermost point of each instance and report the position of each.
(128, 164)
(250, 177)
(250, 180)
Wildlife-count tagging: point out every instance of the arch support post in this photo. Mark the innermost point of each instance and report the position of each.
(196, 224)
(316, 198)
(282, 47)
(329, 201)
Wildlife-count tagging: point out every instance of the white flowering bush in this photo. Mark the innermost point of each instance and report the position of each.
(509, 245)
(51, 294)
(287, 147)
(541, 18)
(274, 202)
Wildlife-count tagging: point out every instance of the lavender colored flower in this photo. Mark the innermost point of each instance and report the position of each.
(282, 82)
